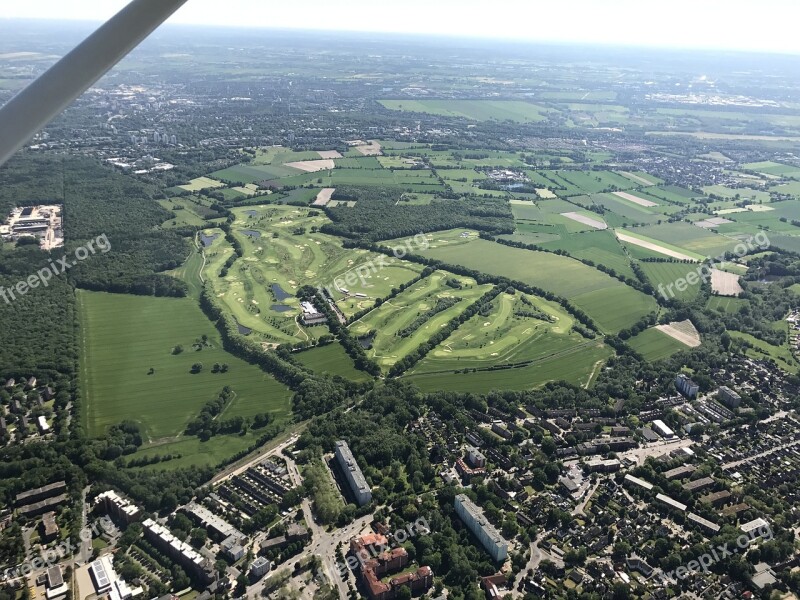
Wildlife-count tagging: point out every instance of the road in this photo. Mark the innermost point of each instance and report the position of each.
(578, 510)
(537, 556)
(273, 447)
(654, 450)
(736, 463)
(323, 543)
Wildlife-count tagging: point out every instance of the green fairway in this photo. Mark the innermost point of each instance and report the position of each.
(123, 337)
(653, 344)
(520, 328)
(476, 110)
(578, 366)
(612, 304)
(331, 359)
(397, 324)
(283, 250)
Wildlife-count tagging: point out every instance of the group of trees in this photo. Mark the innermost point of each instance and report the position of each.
(378, 216)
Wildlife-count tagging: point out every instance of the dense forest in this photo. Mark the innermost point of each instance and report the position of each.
(39, 328)
(378, 216)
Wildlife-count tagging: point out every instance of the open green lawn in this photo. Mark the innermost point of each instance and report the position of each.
(654, 345)
(331, 359)
(476, 110)
(390, 319)
(761, 350)
(123, 336)
(612, 304)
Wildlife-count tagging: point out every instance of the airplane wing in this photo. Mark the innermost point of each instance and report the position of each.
(45, 98)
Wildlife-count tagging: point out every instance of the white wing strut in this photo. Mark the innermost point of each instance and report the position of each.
(45, 98)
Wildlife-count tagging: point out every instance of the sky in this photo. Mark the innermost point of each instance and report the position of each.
(765, 26)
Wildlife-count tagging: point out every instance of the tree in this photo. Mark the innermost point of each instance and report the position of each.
(199, 537)
(197, 367)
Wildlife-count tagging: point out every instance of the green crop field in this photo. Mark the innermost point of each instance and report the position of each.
(612, 304)
(389, 320)
(666, 274)
(601, 247)
(578, 366)
(508, 335)
(123, 337)
(653, 344)
(773, 168)
(476, 110)
(686, 237)
(727, 304)
(201, 183)
(331, 359)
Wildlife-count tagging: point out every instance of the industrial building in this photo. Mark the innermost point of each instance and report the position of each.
(351, 470)
(473, 518)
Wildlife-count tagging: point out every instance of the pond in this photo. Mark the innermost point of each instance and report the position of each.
(207, 240)
(243, 330)
(366, 341)
(281, 308)
(251, 233)
(280, 293)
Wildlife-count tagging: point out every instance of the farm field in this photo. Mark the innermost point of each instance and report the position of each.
(658, 247)
(726, 304)
(579, 366)
(666, 274)
(331, 359)
(201, 183)
(601, 247)
(520, 328)
(476, 110)
(773, 168)
(125, 336)
(396, 326)
(688, 237)
(612, 304)
(654, 345)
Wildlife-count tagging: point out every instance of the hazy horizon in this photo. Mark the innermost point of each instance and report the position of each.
(683, 25)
